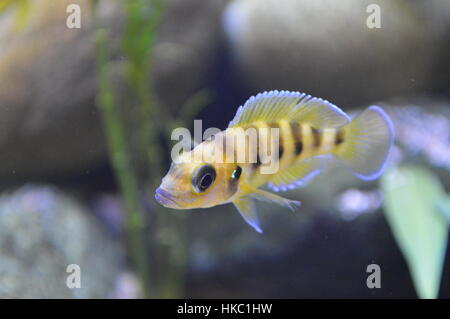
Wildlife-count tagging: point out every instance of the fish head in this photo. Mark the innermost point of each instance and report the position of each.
(197, 185)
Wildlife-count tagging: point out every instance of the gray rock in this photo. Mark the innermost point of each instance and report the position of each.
(49, 123)
(42, 231)
(324, 47)
(189, 40)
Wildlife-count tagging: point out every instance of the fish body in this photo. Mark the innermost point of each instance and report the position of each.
(281, 139)
(297, 143)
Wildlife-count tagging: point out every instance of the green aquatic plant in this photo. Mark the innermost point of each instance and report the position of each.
(21, 11)
(156, 239)
(120, 161)
(414, 202)
(142, 19)
(116, 134)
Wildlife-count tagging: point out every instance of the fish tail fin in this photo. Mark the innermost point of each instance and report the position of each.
(368, 139)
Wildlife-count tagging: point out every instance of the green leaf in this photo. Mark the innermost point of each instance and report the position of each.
(411, 194)
(444, 207)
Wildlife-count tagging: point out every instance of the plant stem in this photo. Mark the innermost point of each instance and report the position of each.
(121, 164)
(142, 18)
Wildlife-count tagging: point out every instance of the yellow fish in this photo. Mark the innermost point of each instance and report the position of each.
(293, 132)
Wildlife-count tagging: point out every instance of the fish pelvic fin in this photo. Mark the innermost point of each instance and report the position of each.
(295, 106)
(367, 142)
(247, 209)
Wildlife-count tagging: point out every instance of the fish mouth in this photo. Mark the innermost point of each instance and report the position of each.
(165, 198)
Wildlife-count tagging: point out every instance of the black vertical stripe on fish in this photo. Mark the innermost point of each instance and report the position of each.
(296, 132)
(280, 139)
(316, 137)
(339, 137)
(258, 159)
(232, 141)
(281, 151)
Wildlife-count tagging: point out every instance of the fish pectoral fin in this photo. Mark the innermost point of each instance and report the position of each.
(247, 209)
(246, 205)
(272, 198)
(269, 197)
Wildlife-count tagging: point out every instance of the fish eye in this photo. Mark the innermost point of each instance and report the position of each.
(203, 178)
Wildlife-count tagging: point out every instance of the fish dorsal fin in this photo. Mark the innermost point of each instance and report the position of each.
(278, 105)
(299, 174)
(247, 209)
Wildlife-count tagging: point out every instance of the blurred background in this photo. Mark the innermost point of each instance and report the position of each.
(85, 121)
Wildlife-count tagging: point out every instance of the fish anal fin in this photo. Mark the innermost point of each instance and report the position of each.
(247, 209)
(298, 174)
